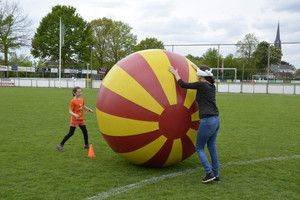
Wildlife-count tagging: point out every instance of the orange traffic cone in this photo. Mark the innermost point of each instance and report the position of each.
(91, 151)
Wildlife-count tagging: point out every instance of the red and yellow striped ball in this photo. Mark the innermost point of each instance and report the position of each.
(143, 114)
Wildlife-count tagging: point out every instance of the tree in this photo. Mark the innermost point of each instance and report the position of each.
(113, 41)
(210, 58)
(101, 29)
(231, 62)
(260, 56)
(122, 41)
(150, 43)
(297, 74)
(195, 59)
(21, 60)
(14, 27)
(76, 49)
(245, 48)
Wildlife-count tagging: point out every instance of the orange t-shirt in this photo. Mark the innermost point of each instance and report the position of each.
(77, 107)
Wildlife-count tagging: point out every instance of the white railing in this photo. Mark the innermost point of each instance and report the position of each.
(291, 89)
(246, 88)
(43, 82)
(96, 83)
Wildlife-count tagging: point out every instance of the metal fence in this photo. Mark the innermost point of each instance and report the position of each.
(290, 54)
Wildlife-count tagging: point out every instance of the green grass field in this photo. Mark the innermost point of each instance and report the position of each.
(34, 120)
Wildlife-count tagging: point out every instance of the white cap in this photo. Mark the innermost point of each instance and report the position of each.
(205, 73)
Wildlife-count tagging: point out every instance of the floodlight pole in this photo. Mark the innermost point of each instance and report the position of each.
(222, 69)
(59, 70)
(218, 67)
(235, 74)
(87, 75)
(218, 62)
(268, 69)
(243, 69)
(91, 58)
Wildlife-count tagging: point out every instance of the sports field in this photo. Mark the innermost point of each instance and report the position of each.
(258, 146)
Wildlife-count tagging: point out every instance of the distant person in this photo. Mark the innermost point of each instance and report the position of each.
(77, 105)
(209, 118)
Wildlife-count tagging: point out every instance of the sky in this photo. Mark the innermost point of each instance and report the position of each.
(180, 22)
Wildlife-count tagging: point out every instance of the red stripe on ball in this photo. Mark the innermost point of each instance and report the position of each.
(114, 104)
(125, 144)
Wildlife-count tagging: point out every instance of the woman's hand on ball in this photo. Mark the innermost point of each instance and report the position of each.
(172, 70)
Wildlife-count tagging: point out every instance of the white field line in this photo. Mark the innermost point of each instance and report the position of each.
(125, 188)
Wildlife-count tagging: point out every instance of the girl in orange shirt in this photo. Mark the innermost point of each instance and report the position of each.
(77, 105)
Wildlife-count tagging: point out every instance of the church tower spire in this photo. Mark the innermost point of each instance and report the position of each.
(277, 42)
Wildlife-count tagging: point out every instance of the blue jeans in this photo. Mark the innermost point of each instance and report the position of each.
(207, 134)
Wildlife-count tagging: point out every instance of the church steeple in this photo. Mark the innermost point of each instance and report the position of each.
(277, 42)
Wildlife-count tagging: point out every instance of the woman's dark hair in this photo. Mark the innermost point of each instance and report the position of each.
(75, 90)
(210, 79)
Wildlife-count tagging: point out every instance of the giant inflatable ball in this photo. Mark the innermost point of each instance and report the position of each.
(142, 112)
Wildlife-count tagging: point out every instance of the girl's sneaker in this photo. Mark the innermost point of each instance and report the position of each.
(60, 148)
(87, 146)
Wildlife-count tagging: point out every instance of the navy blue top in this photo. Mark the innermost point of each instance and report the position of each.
(205, 97)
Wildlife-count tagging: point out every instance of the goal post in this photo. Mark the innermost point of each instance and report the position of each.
(218, 74)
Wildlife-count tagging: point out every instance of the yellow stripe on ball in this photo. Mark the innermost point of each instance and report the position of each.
(175, 154)
(192, 134)
(119, 126)
(129, 88)
(165, 78)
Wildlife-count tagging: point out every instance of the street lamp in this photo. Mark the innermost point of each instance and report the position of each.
(92, 58)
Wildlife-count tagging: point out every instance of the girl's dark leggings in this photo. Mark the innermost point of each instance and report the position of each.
(71, 132)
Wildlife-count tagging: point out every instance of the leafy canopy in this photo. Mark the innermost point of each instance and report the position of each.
(113, 41)
(260, 56)
(76, 49)
(150, 43)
